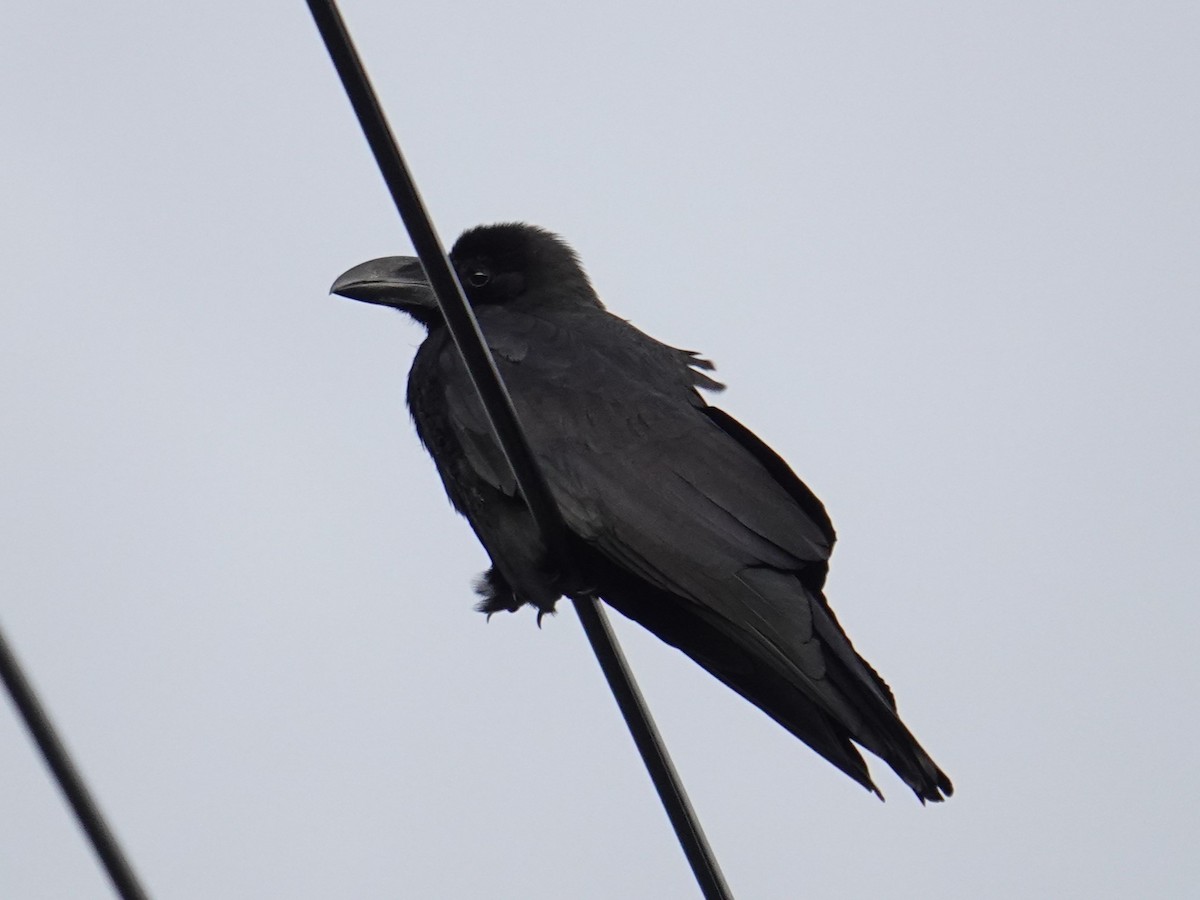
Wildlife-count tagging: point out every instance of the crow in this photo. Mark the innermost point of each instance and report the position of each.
(680, 518)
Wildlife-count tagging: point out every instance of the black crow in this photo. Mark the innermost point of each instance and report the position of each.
(681, 518)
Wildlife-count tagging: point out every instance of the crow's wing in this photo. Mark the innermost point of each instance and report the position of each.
(670, 490)
(644, 475)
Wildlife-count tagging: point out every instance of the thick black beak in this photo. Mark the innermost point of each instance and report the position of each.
(397, 281)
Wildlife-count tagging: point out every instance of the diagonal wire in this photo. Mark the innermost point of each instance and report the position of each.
(88, 814)
(469, 340)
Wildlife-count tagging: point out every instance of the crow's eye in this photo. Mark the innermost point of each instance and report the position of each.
(478, 277)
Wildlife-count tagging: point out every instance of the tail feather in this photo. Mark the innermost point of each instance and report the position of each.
(676, 623)
(875, 724)
(884, 733)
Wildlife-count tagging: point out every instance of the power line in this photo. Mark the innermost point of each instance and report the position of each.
(469, 340)
(69, 780)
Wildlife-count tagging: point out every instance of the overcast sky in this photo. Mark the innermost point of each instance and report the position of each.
(947, 258)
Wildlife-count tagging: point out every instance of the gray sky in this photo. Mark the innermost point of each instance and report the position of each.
(945, 256)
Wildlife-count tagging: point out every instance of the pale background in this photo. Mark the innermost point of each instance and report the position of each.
(946, 257)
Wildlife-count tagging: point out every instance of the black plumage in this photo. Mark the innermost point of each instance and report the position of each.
(681, 518)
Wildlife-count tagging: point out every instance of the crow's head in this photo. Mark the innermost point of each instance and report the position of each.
(496, 264)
